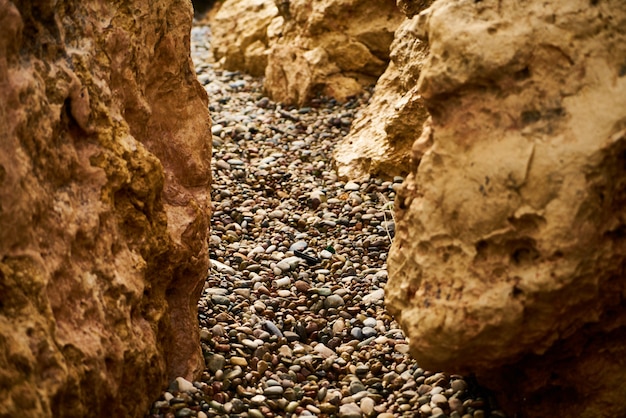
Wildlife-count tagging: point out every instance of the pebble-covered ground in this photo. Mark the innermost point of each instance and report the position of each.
(292, 316)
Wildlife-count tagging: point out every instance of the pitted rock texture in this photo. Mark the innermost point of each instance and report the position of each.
(332, 48)
(104, 205)
(509, 253)
(239, 29)
(413, 7)
(306, 49)
(380, 139)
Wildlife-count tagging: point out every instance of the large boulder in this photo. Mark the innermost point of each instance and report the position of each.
(510, 249)
(104, 205)
(306, 49)
(381, 137)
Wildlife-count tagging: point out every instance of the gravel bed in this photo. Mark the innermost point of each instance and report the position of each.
(292, 316)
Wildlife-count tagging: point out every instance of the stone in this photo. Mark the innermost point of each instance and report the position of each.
(239, 33)
(375, 296)
(333, 301)
(380, 139)
(105, 153)
(185, 385)
(352, 186)
(367, 405)
(329, 47)
(509, 228)
(238, 361)
(368, 332)
(350, 410)
(324, 351)
(273, 391)
(215, 362)
(438, 399)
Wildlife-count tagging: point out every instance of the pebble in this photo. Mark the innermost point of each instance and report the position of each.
(350, 410)
(334, 301)
(184, 385)
(351, 186)
(367, 406)
(292, 316)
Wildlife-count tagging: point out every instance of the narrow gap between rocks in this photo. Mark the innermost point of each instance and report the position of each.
(292, 316)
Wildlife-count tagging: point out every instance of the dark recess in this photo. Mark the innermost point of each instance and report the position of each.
(200, 7)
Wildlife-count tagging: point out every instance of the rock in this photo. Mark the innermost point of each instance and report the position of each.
(352, 186)
(329, 47)
(374, 297)
(509, 233)
(367, 406)
(104, 191)
(185, 385)
(380, 139)
(333, 301)
(215, 362)
(273, 391)
(323, 350)
(240, 39)
(238, 361)
(368, 332)
(350, 410)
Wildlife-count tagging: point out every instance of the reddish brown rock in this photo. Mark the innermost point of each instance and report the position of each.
(104, 204)
(509, 256)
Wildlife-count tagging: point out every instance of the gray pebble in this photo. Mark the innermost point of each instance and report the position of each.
(333, 301)
(272, 328)
(351, 186)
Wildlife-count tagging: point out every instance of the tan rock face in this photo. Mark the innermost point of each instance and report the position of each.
(239, 34)
(304, 48)
(381, 137)
(331, 47)
(509, 255)
(104, 177)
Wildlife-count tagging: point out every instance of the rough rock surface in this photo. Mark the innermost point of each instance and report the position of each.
(104, 177)
(240, 30)
(510, 247)
(329, 47)
(380, 139)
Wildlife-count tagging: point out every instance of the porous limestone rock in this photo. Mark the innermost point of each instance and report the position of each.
(305, 49)
(381, 137)
(510, 249)
(413, 7)
(104, 205)
(239, 34)
(330, 47)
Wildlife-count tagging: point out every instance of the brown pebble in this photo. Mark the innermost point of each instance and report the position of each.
(302, 286)
(263, 290)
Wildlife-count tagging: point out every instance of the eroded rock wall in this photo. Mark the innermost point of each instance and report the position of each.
(381, 137)
(307, 49)
(239, 34)
(509, 253)
(104, 204)
(332, 48)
